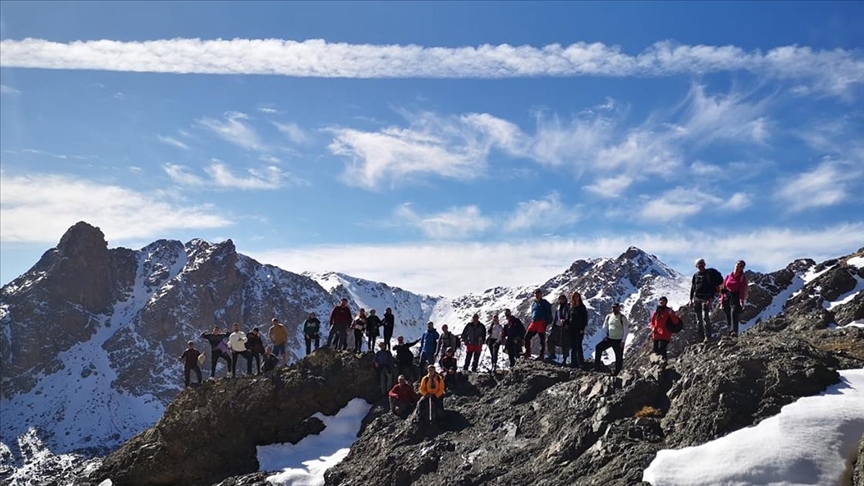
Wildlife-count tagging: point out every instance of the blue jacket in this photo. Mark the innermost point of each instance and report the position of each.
(541, 311)
(384, 358)
(429, 342)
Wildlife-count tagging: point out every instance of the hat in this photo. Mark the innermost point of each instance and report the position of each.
(254, 329)
(616, 304)
(274, 320)
(190, 342)
(701, 260)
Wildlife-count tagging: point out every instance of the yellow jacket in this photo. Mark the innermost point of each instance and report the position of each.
(435, 387)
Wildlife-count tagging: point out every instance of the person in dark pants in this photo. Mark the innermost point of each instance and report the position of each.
(359, 326)
(578, 323)
(474, 335)
(190, 363)
(405, 358)
(541, 316)
(734, 295)
(449, 368)
(340, 319)
(237, 342)
(661, 334)
(389, 323)
(703, 288)
(256, 348)
(218, 349)
(514, 333)
(383, 363)
(373, 329)
(311, 332)
(431, 405)
(270, 360)
(403, 398)
(494, 339)
(615, 328)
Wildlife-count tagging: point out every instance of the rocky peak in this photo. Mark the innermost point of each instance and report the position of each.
(82, 238)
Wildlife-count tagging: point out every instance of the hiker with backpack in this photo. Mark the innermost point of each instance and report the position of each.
(615, 329)
(311, 332)
(576, 327)
(494, 339)
(734, 294)
(428, 345)
(389, 323)
(432, 392)
(373, 326)
(704, 286)
(474, 335)
(218, 349)
(446, 341)
(190, 363)
(541, 316)
(514, 334)
(664, 322)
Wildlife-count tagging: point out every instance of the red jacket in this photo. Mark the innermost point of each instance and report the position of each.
(404, 393)
(341, 315)
(659, 323)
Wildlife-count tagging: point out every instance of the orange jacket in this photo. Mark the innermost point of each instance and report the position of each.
(430, 386)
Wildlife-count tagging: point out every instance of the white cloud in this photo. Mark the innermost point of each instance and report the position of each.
(220, 176)
(38, 207)
(8, 90)
(292, 131)
(826, 185)
(729, 117)
(737, 202)
(269, 110)
(455, 223)
(833, 72)
(172, 141)
(546, 213)
(234, 130)
(453, 269)
(682, 202)
(704, 169)
(610, 187)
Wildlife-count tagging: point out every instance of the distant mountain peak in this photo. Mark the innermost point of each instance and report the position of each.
(82, 237)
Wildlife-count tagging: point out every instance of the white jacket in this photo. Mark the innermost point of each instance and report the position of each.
(496, 332)
(237, 341)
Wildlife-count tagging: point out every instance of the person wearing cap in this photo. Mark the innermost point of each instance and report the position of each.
(734, 294)
(340, 319)
(256, 348)
(514, 335)
(541, 315)
(615, 329)
(559, 335)
(190, 362)
(704, 286)
(384, 364)
(279, 337)
(402, 397)
(311, 332)
(218, 349)
(474, 335)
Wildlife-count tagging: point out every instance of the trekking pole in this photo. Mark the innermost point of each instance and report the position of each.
(430, 409)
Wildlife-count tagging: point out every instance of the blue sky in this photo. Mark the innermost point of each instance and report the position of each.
(442, 147)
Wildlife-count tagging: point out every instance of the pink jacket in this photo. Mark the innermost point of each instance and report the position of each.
(736, 283)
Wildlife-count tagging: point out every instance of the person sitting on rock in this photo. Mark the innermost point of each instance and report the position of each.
(190, 362)
(218, 349)
(615, 328)
(514, 334)
(431, 405)
(311, 332)
(256, 348)
(474, 335)
(660, 332)
(449, 368)
(428, 345)
(446, 341)
(373, 328)
(279, 337)
(402, 398)
(270, 360)
(383, 362)
(237, 342)
(405, 358)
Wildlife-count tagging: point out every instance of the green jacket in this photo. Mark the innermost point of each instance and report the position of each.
(373, 323)
(311, 327)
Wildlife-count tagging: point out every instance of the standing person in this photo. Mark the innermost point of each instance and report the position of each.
(734, 295)
(237, 343)
(340, 319)
(383, 362)
(405, 358)
(494, 339)
(279, 337)
(218, 349)
(432, 391)
(256, 348)
(359, 326)
(514, 334)
(660, 332)
(270, 360)
(704, 286)
(541, 315)
(447, 340)
(615, 328)
(402, 397)
(428, 345)
(311, 332)
(373, 326)
(190, 362)
(449, 367)
(578, 323)
(474, 335)
(389, 324)
(559, 335)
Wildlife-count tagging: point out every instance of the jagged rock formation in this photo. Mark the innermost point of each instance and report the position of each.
(211, 432)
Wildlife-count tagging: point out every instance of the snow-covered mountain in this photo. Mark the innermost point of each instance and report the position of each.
(91, 335)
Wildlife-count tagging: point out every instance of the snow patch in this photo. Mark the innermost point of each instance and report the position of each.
(857, 261)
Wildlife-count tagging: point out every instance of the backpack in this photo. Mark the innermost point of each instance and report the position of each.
(675, 328)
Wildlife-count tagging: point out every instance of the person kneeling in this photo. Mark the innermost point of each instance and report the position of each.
(402, 398)
(432, 389)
